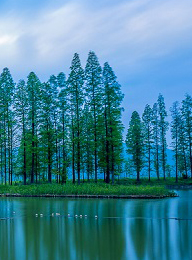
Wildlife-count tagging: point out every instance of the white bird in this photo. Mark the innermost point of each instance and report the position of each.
(68, 215)
(52, 214)
(96, 216)
(36, 215)
(57, 214)
(41, 215)
(76, 216)
(81, 216)
(85, 216)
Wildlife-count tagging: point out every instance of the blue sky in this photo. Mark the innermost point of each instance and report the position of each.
(148, 43)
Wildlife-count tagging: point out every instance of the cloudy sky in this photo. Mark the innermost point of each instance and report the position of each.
(148, 43)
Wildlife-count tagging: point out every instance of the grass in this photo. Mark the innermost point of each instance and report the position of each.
(85, 189)
(155, 181)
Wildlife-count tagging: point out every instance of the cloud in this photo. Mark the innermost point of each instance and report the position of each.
(125, 33)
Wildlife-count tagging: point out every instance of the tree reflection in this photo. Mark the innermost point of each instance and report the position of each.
(124, 229)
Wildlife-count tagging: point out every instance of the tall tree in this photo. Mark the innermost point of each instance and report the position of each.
(48, 106)
(112, 121)
(1, 138)
(156, 138)
(175, 126)
(93, 75)
(75, 86)
(135, 142)
(64, 123)
(7, 89)
(182, 150)
(21, 110)
(148, 135)
(88, 141)
(187, 124)
(163, 127)
(34, 92)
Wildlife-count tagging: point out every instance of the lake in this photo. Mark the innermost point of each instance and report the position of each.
(112, 230)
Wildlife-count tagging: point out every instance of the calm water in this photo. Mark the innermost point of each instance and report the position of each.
(124, 229)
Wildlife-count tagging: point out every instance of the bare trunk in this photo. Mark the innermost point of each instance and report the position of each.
(107, 150)
(5, 152)
(73, 152)
(33, 147)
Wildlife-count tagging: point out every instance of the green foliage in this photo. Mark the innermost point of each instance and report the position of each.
(148, 135)
(175, 127)
(75, 85)
(50, 129)
(85, 189)
(7, 124)
(163, 127)
(113, 128)
(94, 94)
(186, 111)
(135, 142)
(156, 138)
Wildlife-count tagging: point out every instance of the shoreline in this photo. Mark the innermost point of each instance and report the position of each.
(87, 190)
(179, 187)
(87, 196)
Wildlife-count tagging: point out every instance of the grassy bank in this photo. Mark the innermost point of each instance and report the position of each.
(155, 182)
(85, 189)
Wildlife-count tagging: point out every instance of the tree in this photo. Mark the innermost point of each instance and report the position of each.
(64, 124)
(155, 123)
(112, 121)
(75, 87)
(34, 92)
(163, 127)
(7, 89)
(21, 109)
(47, 131)
(182, 149)
(128, 167)
(88, 144)
(93, 76)
(187, 125)
(135, 142)
(175, 126)
(148, 135)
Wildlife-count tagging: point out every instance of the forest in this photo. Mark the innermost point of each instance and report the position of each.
(71, 127)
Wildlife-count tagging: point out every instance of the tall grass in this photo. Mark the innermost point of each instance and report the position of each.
(85, 189)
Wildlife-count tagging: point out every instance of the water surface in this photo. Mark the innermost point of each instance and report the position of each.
(123, 229)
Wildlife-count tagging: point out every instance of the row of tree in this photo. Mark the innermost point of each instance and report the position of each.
(146, 138)
(73, 127)
(63, 126)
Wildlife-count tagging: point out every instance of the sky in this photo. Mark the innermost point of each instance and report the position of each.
(148, 43)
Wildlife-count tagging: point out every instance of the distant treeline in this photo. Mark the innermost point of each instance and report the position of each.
(146, 139)
(72, 126)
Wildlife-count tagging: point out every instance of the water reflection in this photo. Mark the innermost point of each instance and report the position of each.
(125, 229)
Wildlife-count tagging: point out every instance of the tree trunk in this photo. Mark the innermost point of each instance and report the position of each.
(33, 147)
(24, 151)
(9, 151)
(107, 150)
(95, 140)
(157, 159)
(185, 161)
(163, 153)
(78, 136)
(11, 154)
(5, 152)
(190, 154)
(112, 157)
(49, 154)
(73, 152)
(149, 156)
